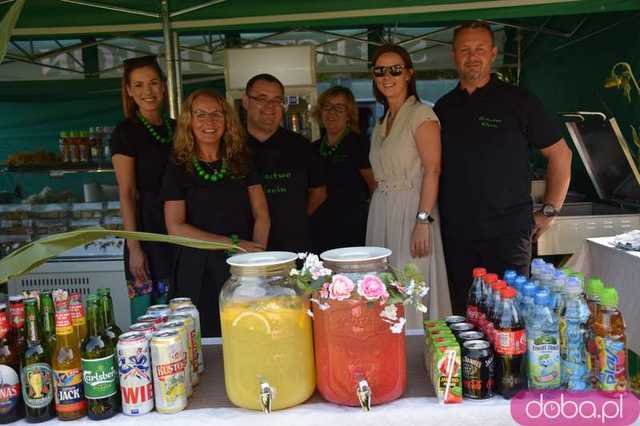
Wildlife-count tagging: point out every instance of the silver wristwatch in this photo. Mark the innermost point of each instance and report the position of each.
(424, 217)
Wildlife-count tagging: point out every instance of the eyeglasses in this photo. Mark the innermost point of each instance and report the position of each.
(338, 108)
(203, 115)
(393, 70)
(263, 101)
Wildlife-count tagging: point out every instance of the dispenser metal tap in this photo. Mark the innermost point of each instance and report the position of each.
(266, 396)
(364, 395)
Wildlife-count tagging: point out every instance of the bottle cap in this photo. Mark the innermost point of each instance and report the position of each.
(541, 297)
(549, 269)
(91, 298)
(479, 272)
(529, 289)
(489, 278)
(498, 285)
(103, 291)
(573, 285)
(519, 282)
(509, 275)
(609, 297)
(567, 271)
(594, 287)
(537, 262)
(508, 293)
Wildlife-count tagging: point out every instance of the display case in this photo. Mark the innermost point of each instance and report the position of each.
(610, 166)
(294, 66)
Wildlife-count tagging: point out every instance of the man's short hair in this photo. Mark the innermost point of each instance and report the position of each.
(473, 25)
(263, 77)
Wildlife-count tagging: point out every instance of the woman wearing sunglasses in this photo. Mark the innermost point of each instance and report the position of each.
(405, 157)
(211, 194)
(140, 149)
(341, 221)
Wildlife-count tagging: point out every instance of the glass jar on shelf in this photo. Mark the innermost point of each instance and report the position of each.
(267, 334)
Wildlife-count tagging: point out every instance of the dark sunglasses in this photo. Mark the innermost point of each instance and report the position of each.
(393, 70)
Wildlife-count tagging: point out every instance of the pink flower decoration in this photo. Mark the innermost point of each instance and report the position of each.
(324, 291)
(341, 287)
(372, 288)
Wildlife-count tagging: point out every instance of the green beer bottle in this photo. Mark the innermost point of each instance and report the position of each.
(106, 310)
(48, 315)
(36, 374)
(99, 367)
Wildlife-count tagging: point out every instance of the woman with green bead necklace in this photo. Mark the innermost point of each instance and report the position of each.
(140, 149)
(341, 221)
(211, 193)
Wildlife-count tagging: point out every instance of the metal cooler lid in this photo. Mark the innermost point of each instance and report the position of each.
(605, 155)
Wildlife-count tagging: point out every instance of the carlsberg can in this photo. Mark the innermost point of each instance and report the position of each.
(134, 367)
(169, 363)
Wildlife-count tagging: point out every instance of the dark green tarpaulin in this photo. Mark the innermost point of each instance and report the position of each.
(52, 17)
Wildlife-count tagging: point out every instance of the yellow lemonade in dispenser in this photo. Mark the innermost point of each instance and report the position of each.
(270, 343)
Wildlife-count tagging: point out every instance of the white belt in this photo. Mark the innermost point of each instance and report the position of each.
(395, 185)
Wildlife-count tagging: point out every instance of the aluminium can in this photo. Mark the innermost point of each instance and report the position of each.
(162, 311)
(134, 368)
(169, 367)
(145, 328)
(181, 328)
(477, 370)
(153, 319)
(179, 302)
(460, 327)
(195, 314)
(193, 349)
(465, 336)
(454, 319)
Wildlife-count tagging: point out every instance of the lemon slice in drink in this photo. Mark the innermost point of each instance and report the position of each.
(253, 322)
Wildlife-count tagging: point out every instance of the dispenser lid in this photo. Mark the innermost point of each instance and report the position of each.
(355, 254)
(264, 258)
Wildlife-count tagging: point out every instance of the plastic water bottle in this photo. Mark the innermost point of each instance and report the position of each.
(546, 278)
(557, 292)
(528, 293)
(518, 284)
(536, 268)
(543, 345)
(573, 338)
(509, 276)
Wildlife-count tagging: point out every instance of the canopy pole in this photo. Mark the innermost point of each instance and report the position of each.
(178, 69)
(170, 58)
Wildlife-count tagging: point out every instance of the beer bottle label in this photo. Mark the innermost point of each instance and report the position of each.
(69, 394)
(17, 315)
(9, 389)
(63, 322)
(77, 314)
(99, 377)
(37, 385)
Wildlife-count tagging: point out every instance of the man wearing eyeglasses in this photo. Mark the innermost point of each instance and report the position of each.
(292, 173)
(487, 129)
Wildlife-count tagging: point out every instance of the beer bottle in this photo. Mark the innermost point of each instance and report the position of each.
(106, 310)
(99, 366)
(47, 313)
(67, 371)
(11, 406)
(77, 317)
(16, 314)
(36, 374)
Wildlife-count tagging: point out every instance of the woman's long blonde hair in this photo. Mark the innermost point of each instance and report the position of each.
(233, 146)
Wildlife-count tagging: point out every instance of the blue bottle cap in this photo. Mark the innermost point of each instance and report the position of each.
(520, 281)
(549, 269)
(559, 275)
(537, 262)
(529, 289)
(542, 297)
(573, 285)
(509, 275)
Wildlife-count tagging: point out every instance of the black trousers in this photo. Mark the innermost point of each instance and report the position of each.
(461, 255)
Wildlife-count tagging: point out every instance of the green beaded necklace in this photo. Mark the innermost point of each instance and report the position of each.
(216, 176)
(328, 151)
(152, 131)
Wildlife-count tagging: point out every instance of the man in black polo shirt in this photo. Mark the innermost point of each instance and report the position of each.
(486, 212)
(293, 178)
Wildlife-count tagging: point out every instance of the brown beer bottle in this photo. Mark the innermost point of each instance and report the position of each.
(67, 370)
(11, 405)
(36, 374)
(77, 317)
